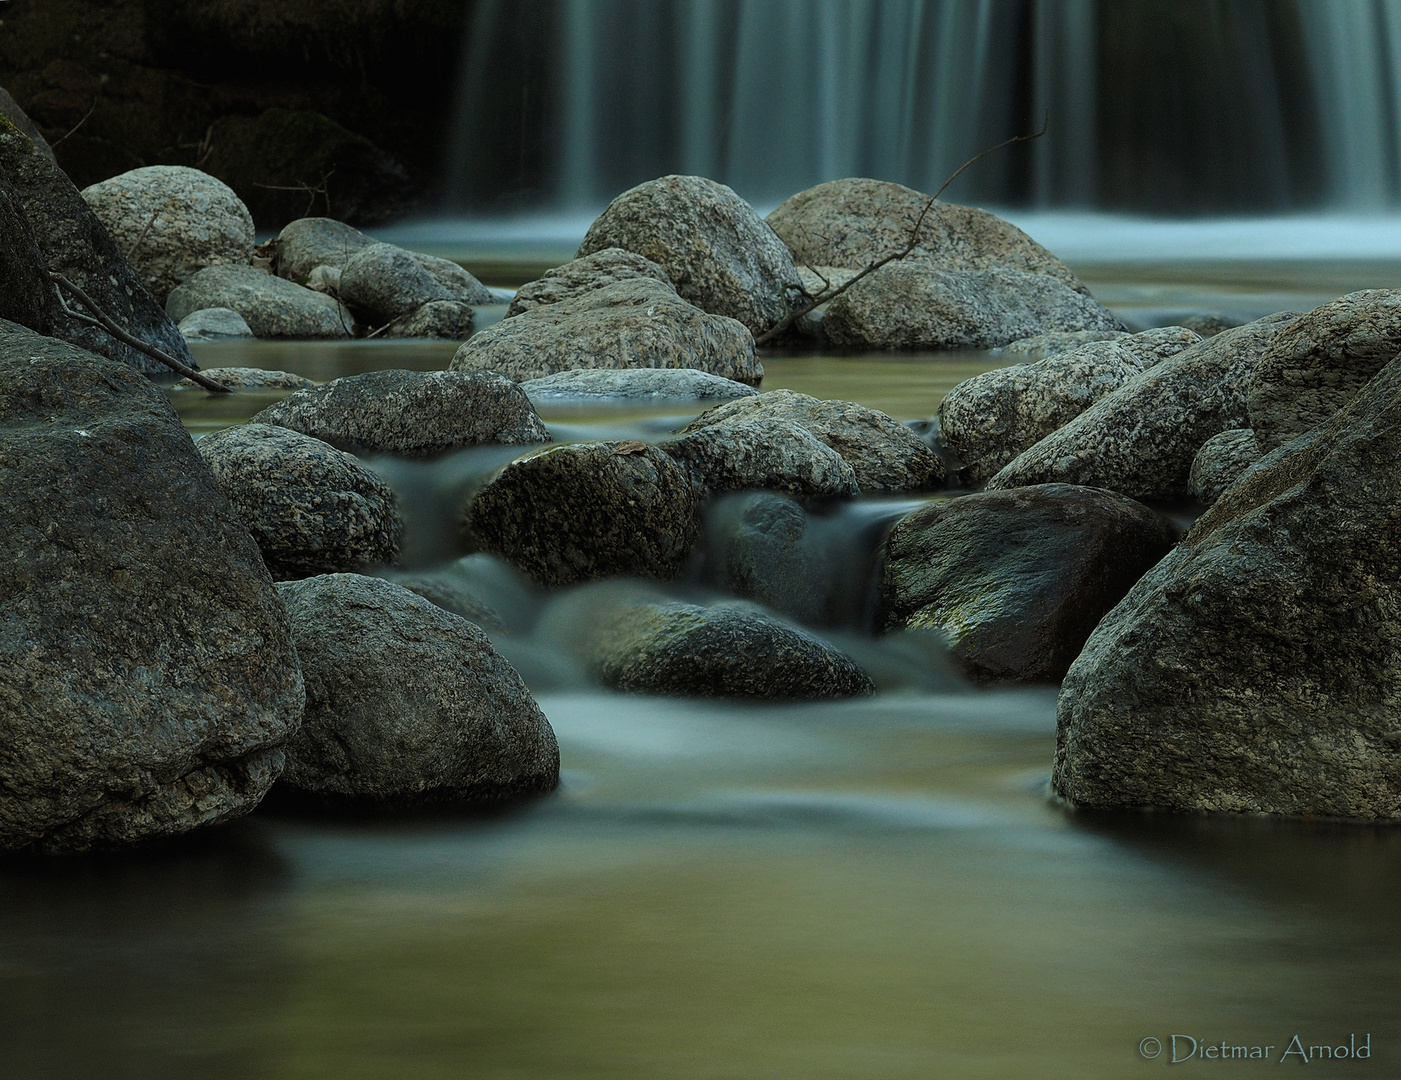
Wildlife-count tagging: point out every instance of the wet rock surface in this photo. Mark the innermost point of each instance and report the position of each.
(1222, 460)
(271, 306)
(578, 276)
(26, 294)
(448, 319)
(766, 452)
(672, 384)
(759, 546)
(243, 378)
(214, 324)
(149, 679)
(1059, 341)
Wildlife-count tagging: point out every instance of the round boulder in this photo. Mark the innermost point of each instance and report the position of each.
(768, 452)
(307, 243)
(271, 306)
(579, 276)
(669, 384)
(214, 324)
(1222, 460)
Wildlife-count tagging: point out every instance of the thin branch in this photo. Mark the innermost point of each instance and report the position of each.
(323, 190)
(1045, 123)
(137, 242)
(104, 321)
(79, 124)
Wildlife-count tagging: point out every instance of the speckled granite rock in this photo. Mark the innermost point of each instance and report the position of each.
(578, 276)
(245, 378)
(148, 678)
(913, 305)
(758, 546)
(1141, 440)
(1318, 364)
(1222, 460)
(172, 221)
(673, 384)
(766, 452)
(385, 282)
(448, 319)
(1257, 668)
(408, 704)
(416, 414)
(307, 243)
(884, 453)
(1016, 580)
(451, 592)
(574, 513)
(214, 324)
(312, 508)
(631, 324)
(714, 247)
(271, 306)
(1059, 341)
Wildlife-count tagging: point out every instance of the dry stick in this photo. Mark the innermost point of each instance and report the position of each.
(137, 243)
(79, 124)
(106, 323)
(783, 325)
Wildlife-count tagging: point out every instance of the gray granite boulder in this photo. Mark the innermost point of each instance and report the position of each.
(246, 378)
(765, 452)
(214, 324)
(1016, 580)
(1222, 460)
(312, 509)
(884, 453)
(172, 221)
(991, 418)
(714, 247)
(574, 513)
(271, 306)
(1141, 440)
(914, 305)
(408, 704)
(578, 276)
(451, 320)
(307, 243)
(413, 413)
(149, 680)
(669, 384)
(1059, 341)
(630, 324)
(758, 545)
(1318, 364)
(452, 591)
(384, 282)
(1257, 668)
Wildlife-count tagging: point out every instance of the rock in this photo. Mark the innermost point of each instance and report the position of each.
(1016, 580)
(578, 276)
(758, 546)
(910, 305)
(148, 678)
(574, 513)
(631, 324)
(671, 384)
(1222, 460)
(451, 592)
(307, 243)
(1257, 668)
(854, 222)
(74, 243)
(172, 221)
(1059, 341)
(714, 247)
(632, 641)
(311, 508)
(324, 279)
(448, 319)
(885, 454)
(1209, 323)
(26, 294)
(1141, 439)
(246, 378)
(819, 279)
(214, 324)
(1317, 365)
(991, 418)
(10, 110)
(386, 282)
(765, 452)
(412, 413)
(271, 306)
(408, 704)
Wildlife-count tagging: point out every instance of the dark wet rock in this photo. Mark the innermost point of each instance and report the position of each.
(1016, 580)
(765, 452)
(246, 378)
(913, 305)
(451, 591)
(214, 324)
(386, 282)
(1141, 440)
(416, 414)
(448, 319)
(312, 508)
(309, 242)
(1059, 341)
(578, 276)
(671, 384)
(714, 247)
(758, 545)
(10, 110)
(271, 306)
(408, 704)
(856, 221)
(1317, 365)
(1209, 323)
(1257, 668)
(884, 453)
(1222, 460)
(631, 324)
(149, 679)
(991, 418)
(26, 294)
(574, 513)
(172, 221)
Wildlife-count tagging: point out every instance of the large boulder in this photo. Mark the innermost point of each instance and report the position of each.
(450, 320)
(855, 222)
(246, 378)
(1318, 364)
(1222, 460)
(1141, 440)
(149, 679)
(413, 413)
(271, 306)
(214, 324)
(766, 452)
(632, 384)
(915, 305)
(578, 512)
(716, 249)
(884, 453)
(386, 282)
(309, 242)
(1257, 668)
(578, 276)
(1059, 341)
(312, 509)
(1016, 580)
(408, 704)
(991, 418)
(631, 324)
(26, 294)
(172, 221)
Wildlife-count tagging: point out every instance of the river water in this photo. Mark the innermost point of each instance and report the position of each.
(875, 888)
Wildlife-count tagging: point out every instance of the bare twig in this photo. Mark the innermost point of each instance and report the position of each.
(76, 126)
(104, 321)
(323, 190)
(137, 242)
(1045, 123)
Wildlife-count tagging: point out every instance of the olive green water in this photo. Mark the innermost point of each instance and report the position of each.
(867, 889)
